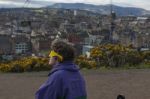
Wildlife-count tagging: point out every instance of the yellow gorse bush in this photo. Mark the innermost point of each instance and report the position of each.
(113, 55)
(103, 55)
(25, 64)
(5, 67)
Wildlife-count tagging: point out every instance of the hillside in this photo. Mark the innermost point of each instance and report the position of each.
(102, 9)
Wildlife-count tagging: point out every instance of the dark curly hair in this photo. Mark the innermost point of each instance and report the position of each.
(63, 48)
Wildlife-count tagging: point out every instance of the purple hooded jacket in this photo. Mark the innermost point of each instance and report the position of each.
(64, 82)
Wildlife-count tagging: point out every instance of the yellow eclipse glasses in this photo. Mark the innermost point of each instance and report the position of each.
(55, 54)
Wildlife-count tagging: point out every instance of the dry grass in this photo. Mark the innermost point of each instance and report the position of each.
(134, 84)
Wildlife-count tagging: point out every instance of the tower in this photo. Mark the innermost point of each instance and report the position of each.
(112, 22)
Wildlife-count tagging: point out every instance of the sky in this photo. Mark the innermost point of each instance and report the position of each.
(38, 3)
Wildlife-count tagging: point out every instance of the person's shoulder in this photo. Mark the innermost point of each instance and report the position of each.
(58, 73)
(56, 76)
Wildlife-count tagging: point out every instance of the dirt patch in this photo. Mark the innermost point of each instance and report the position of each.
(134, 84)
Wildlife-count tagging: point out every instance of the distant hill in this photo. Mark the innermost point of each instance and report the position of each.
(102, 9)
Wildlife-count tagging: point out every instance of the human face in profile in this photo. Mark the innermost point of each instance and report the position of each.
(53, 61)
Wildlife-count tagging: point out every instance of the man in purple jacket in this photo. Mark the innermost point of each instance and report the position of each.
(65, 80)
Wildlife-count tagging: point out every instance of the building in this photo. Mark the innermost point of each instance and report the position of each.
(6, 45)
(40, 43)
(22, 44)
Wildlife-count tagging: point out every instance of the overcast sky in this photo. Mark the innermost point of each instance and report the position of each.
(38, 3)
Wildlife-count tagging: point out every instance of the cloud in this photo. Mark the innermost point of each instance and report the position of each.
(21, 3)
(142, 4)
(36, 3)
